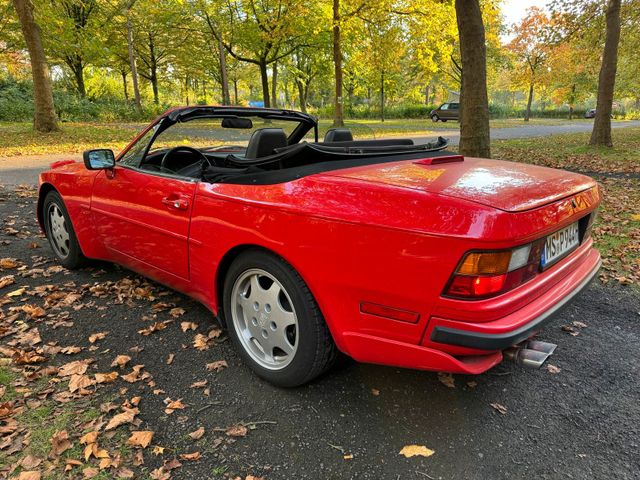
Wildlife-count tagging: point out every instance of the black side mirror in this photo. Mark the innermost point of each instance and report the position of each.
(99, 159)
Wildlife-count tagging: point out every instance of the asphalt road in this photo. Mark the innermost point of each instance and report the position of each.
(580, 423)
(25, 169)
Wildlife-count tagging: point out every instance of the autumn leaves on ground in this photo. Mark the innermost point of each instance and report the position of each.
(72, 405)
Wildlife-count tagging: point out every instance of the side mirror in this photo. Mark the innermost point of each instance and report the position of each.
(99, 159)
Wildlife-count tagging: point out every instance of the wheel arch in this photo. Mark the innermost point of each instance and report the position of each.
(45, 188)
(235, 252)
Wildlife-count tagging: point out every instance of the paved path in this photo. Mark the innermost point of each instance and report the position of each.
(25, 169)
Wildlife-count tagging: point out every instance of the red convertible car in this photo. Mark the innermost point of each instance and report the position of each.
(390, 252)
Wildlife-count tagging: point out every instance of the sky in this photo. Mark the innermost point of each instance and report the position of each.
(515, 10)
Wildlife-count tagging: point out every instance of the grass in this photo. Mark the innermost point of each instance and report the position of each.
(18, 139)
(7, 377)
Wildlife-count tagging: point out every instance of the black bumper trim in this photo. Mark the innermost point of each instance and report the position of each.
(500, 341)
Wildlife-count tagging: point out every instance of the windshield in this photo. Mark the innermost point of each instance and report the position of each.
(210, 134)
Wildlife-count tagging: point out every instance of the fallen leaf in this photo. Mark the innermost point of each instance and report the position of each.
(185, 326)
(91, 437)
(200, 384)
(472, 384)
(552, 368)
(79, 382)
(121, 361)
(570, 330)
(197, 435)
(71, 350)
(236, 431)
(29, 475)
(73, 368)
(217, 366)
(446, 379)
(16, 293)
(173, 405)
(126, 416)
(500, 408)
(190, 456)
(170, 358)
(153, 328)
(579, 324)
(176, 312)
(140, 439)
(106, 377)
(416, 450)
(60, 443)
(158, 450)
(200, 342)
(97, 336)
(348, 456)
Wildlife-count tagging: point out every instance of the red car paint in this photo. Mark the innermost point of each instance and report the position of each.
(375, 244)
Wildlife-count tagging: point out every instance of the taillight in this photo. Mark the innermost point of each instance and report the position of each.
(486, 274)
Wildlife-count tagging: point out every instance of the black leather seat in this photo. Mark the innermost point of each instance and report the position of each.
(338, 135)
(264, 140)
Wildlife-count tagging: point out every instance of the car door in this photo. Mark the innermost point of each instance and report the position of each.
(143, 218)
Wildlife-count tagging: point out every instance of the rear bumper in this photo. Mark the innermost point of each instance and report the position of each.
(501, 341)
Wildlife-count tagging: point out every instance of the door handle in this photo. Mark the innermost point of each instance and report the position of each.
(176, 203)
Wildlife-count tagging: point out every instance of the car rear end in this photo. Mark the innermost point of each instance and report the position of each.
(498, 297)
(511, 245)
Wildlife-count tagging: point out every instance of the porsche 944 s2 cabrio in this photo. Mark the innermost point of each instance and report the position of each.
(390, 252)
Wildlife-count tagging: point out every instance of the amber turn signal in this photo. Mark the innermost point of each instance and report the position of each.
(485, 263)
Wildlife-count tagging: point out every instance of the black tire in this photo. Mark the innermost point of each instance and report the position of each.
(443, 120)
(435, 118)
(70, 256)
(316, 352)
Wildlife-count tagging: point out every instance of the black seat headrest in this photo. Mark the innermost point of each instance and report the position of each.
(264, 140)
(338, 135)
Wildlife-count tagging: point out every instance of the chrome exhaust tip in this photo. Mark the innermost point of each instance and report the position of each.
(539, 346)
(531, 354)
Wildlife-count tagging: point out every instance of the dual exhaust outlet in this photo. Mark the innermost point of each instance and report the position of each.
(530, 353)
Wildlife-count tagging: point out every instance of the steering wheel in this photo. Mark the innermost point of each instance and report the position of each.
(203, 158)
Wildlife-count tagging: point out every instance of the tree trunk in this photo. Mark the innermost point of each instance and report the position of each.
(601, 134)
(44, 119)
(573, 101)
(527, 113)
(77, 68)
(264, 78)
(124, 85)
(224, 79)
(132, 62)
(302, 96)
(153, 77)
(235, 91)
(426, 94)
(274, 84)
(382, 96)
(338, 115)
(474, 104)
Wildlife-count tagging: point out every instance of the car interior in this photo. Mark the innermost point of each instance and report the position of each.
(271, 150)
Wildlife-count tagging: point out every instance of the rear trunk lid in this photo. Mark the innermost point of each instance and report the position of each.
(508, 186)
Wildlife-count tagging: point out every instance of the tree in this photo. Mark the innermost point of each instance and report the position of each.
(44, 119)
(474, 108)
(601, 134)
(260, 33)
(531, 47)
(70, 35)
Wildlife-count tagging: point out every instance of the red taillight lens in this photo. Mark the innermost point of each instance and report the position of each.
(486, 274)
